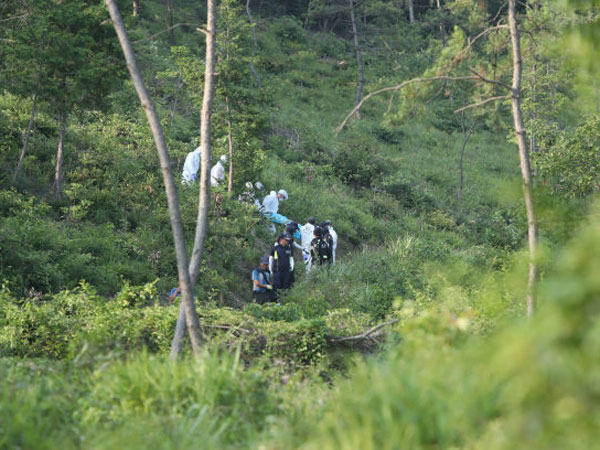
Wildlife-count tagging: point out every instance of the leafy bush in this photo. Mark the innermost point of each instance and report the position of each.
(356, 165)
(71, 320)
(531, 384)
(572, 166)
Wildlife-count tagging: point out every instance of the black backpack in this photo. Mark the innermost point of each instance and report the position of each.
(323, 250)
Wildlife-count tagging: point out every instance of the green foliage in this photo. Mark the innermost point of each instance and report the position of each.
(33, 412)
(527, 385)
(356, 165)
(213, 392)
(38, 254)
(84, 361)
(81, 321)
(572, 166)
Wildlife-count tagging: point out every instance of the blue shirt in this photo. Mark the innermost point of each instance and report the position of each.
(173, 291)
(263, 277)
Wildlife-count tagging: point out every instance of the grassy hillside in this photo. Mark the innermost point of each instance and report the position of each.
(85, 321)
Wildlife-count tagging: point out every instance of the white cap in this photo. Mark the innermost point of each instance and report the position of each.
(224, 158)
(249, 185)
(283, 193)
(258, 185)
(273, 193)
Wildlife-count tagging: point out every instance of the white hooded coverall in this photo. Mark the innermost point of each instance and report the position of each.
(191, 166)
(217, 174)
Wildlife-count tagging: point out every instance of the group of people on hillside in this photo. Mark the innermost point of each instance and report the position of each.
(276, 271)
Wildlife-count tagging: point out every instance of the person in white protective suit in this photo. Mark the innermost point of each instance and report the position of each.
(271, 201)
(306, 237)
(334, 239)
(217, 173)
(191, 166)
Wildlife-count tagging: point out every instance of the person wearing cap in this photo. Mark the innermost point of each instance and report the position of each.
(191, 166)
(292, 231)
(217, 172)
(306, 237)
(281, 263)
(334, 239)
(262, 286)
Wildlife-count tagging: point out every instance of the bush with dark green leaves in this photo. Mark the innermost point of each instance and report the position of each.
(572, 166)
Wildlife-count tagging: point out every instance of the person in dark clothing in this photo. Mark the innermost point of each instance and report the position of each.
(262, 286)
(290, 229)
(281, 263)
(320, 248)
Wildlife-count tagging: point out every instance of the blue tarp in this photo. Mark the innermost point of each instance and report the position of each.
(281, 220)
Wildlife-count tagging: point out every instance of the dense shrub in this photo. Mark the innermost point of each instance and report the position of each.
(530, 385)
(571, 166)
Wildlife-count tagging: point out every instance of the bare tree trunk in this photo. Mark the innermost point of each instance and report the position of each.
(308, 11)
(252, 68)
(523, 153)
(460, 162)
(411, 11)
(26, 140)
(60, 155)
(532, 144)
(170, 188)
(441, 26)
(442, 29)
(597, 97)
(136, 8)
(230, 139)
(361, 77)
(204, 201)
(169, 4)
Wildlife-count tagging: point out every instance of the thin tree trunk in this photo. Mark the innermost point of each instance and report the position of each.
(204, 201)
(255, 46)
(334, 24)
(26, 140)
(460, 162)
(523, 153)
(361, 76)
(60, 155)
(136, 8)
(169, 4)
(230, 139)
(411, 11)
(532, 144)
(443, 39)
(170, 188)
(597, 97)
(308, 11)
(441, 26)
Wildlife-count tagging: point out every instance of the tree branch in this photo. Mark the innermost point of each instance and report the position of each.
(232, 328)
(22, 16)
(397, 87)
(169, 29)
(487, 100)
(489, 80)
(471, 42)
(366, 335)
